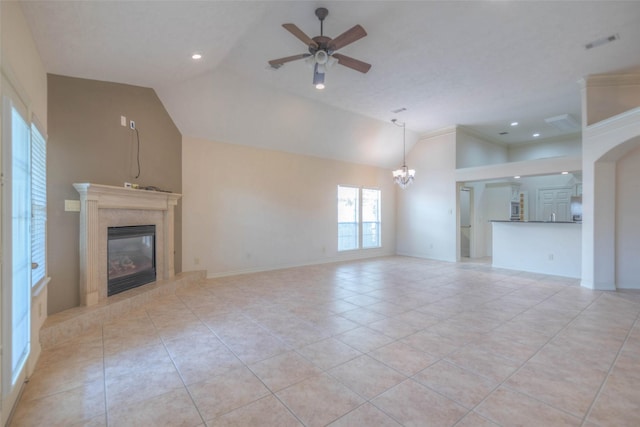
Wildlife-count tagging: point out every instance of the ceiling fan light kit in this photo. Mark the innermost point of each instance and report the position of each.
(322, 49)
(318, 78)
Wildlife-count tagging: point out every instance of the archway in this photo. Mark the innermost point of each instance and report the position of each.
(604, 145)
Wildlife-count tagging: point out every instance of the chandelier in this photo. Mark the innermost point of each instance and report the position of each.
(403, 176)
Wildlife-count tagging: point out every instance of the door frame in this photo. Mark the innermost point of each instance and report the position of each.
(9, 98)
(472, 237)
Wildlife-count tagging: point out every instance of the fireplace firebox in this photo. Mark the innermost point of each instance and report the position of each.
(131, 260)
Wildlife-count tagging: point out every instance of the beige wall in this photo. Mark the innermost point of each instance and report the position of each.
(615, 94)
(248, 209)
(21, 61)
(88, 144)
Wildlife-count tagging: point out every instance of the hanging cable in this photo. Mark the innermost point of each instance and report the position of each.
(138, 153)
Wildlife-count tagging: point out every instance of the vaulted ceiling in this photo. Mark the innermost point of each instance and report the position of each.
(480, 64)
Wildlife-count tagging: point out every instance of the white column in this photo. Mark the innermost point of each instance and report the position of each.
(89, 251)
(598, 254)
(169, 218)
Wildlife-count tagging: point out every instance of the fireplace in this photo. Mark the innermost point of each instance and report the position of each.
(103, 207)
(131, 259)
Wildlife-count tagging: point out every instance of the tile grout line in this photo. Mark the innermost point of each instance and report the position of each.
(613, 364)
(273, 394)
(104, 377)
(164, 344)
(503, 383)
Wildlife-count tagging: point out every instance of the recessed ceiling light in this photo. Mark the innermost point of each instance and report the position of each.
(565, 173)
(320, 86)
(517, 177)
(514, 123)
(196, 56)
(535, 135)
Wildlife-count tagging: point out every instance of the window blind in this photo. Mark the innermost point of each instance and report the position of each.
(38, 205)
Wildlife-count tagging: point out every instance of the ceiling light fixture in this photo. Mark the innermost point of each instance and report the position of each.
(403, 176)
(514, 123)
(535, 135)
(318, 78)
(517, 177)
(565, 173)
(196, 56)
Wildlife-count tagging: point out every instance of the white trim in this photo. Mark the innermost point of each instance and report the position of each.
(39, 287)
(615, 123)
(354, 255)
(438, 132)
(607, 80)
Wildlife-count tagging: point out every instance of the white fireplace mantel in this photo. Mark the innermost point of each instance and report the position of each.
(103, 206)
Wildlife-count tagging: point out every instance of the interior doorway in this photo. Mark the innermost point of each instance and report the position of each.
(465, 203)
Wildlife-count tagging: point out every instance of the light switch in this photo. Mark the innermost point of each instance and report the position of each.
(72, 205)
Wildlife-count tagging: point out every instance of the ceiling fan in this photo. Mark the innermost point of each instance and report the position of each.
(322, 49)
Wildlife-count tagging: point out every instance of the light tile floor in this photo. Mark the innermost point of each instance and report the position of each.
(381, 342)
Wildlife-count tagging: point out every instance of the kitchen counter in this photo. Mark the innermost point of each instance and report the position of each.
(538, 246)
(535, 222)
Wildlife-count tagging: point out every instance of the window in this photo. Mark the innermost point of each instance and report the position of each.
(23, 229)
(16, 242)
(358, 218)
(348, 218)
(370, 218)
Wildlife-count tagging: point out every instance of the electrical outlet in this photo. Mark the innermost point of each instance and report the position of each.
(132, 124)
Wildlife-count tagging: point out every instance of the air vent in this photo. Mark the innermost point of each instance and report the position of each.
(503, 133)
(398, 110)
(602, 41)
(564, 123)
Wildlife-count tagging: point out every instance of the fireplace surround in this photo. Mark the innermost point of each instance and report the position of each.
(103, 206)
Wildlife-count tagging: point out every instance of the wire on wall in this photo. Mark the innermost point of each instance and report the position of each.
(138, 153)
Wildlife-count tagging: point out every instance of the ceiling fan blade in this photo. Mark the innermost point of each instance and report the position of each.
(293, 29)
(352, 63)
(348, 37)
(277, 63)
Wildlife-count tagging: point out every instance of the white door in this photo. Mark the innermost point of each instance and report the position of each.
(554, 201)
(16, 250)
(465, 221)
